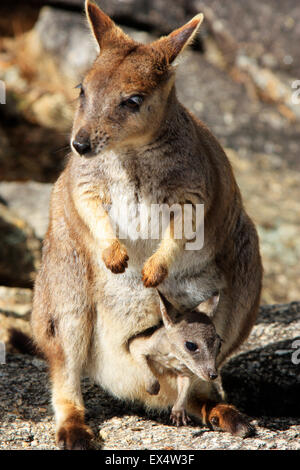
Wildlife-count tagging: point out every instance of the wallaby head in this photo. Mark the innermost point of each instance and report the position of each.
(193, 339)
(126, 95)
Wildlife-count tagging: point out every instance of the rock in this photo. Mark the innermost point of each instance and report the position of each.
(30, 201)
(266, 31)
(16, 300)
(265, 379)
(17, 17)
(9, 320)
(15, 309)
(65, 36)
(275, 213)
(20, 250)
(239, 121)
(158, 15)
(258, 380)
(28, 151)
(5, 150)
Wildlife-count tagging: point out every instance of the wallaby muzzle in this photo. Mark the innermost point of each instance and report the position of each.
(81, 142)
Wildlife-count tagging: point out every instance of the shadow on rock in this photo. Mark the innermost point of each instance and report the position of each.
(265, 381)
(283, 313)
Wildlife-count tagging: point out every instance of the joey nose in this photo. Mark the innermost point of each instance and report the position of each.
(81, 142)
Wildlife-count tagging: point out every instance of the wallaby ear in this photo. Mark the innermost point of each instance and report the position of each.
(209, 306)
(165, 305)
(105, 31)
(177, 41)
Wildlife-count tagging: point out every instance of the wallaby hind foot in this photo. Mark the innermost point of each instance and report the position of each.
(74, 436)
(222, 417)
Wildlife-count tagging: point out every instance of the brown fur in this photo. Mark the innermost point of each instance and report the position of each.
(158, 153)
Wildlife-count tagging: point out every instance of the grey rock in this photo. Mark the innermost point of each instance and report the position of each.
(20, 250)
(267, 31)
(27, 150)
(30, 201)
(66, 37)
(239, 122)
(158, 15)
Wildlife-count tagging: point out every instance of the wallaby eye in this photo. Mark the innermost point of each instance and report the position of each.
(134, 102)
(191, 346)
(80, 86)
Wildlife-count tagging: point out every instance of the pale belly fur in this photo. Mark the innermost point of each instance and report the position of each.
(125, 308)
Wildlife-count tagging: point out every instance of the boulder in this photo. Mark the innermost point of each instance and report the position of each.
(27, 149)
(30, 201)
(264, 380)
(266, 31)
(20, 250)
(161, 16)
(16, 300)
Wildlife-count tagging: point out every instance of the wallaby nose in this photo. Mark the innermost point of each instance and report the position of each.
(82, 143)
(81, 147)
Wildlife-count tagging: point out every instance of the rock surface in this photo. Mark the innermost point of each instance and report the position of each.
(20, 250)
(15, 310)
(30, 201)
(263, 380)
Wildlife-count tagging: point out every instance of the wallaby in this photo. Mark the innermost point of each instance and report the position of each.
(133, 143)
(188, 347)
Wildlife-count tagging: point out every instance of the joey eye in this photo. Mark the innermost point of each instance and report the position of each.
(191, 346)
(134, 102)
(80, 87)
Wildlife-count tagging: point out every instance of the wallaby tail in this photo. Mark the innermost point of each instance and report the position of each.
(23, 343)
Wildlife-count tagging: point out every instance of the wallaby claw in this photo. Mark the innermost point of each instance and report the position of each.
(179, 417)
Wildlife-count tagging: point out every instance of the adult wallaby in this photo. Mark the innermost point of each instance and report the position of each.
(187, 345)
(134, 144)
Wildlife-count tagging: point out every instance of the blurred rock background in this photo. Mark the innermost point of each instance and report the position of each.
(238, 78)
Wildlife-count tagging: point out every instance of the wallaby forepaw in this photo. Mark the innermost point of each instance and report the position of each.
(153, 273)
(115, 257)
(153, 388)
(179, 417)
(74, 437)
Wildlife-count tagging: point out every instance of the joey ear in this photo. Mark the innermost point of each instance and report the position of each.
(177, 41)
(165, 305)
(105, 31)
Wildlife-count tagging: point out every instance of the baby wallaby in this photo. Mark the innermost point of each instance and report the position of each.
(188, 346)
